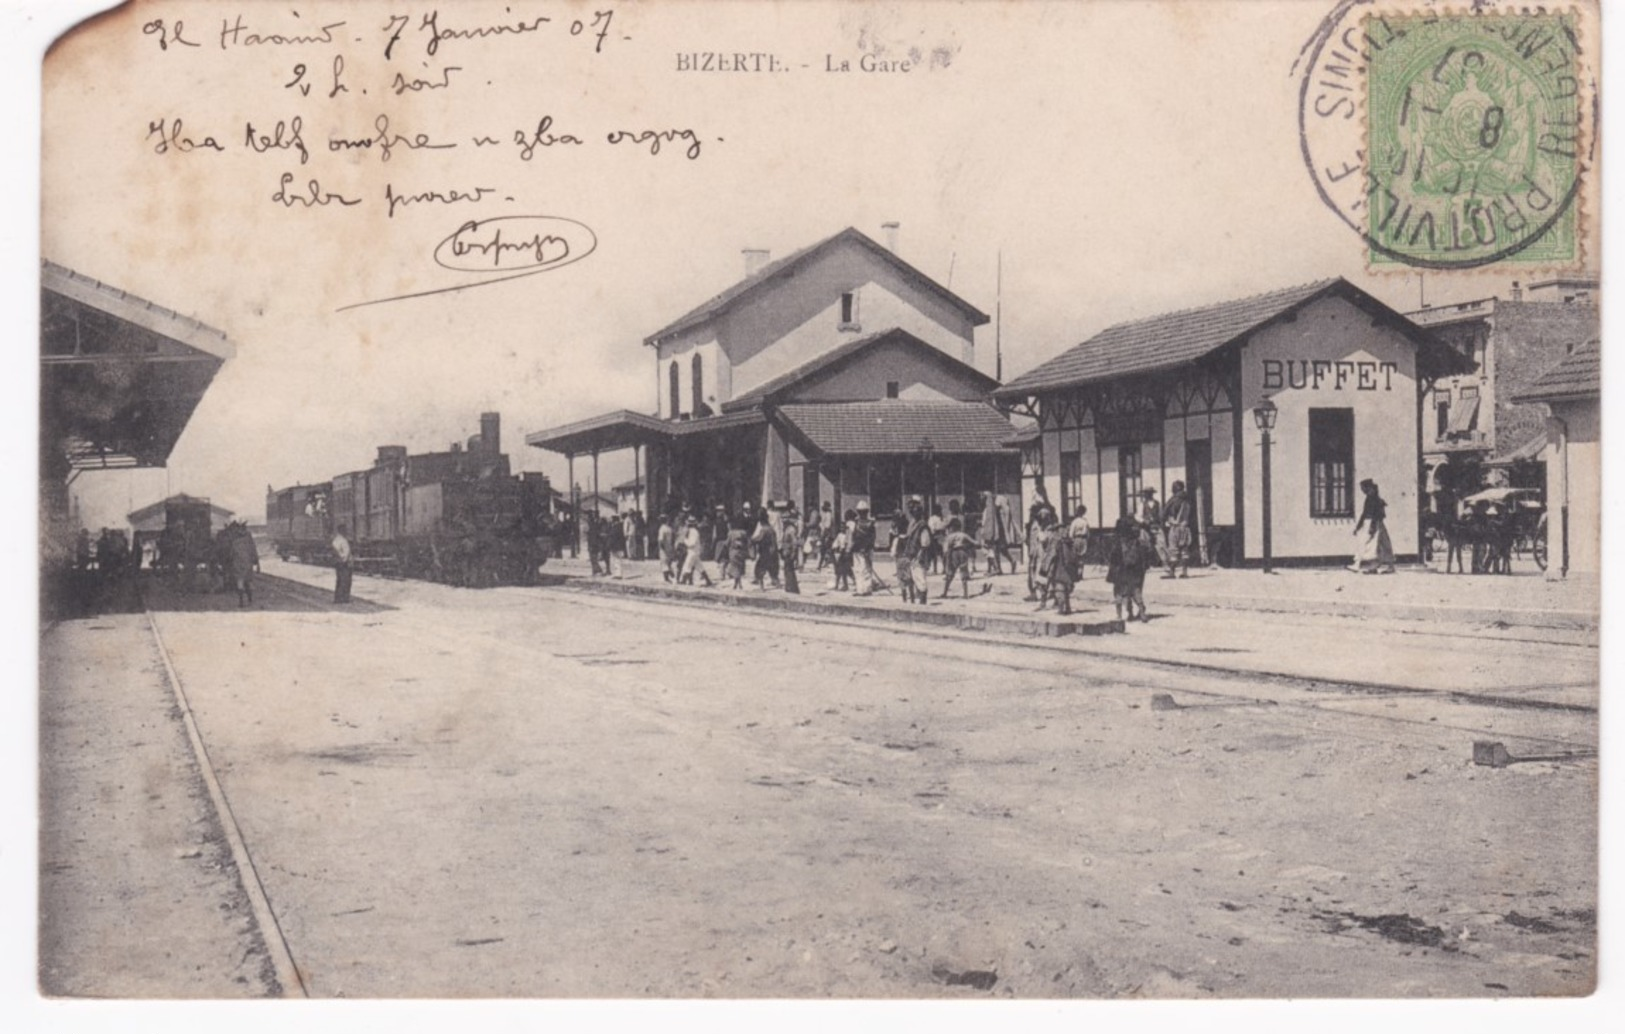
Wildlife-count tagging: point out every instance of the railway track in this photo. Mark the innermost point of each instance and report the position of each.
(1279, 691)
(288, 975)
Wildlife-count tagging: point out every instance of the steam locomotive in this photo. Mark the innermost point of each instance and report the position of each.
(458, 517)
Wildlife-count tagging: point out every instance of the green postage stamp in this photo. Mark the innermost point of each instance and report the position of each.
(1475, 138)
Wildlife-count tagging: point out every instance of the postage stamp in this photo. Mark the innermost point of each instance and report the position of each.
(1473, 135)
(1452, 139)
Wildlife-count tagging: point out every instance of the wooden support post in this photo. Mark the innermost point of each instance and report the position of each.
(575, 506)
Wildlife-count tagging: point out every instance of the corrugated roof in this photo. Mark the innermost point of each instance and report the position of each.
(1160, 342)
(789, 263)
(840, 354)
(1576, 375)
(147, 315)
(899, 427)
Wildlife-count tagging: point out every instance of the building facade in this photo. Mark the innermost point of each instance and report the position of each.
(1474, 429)
(1571, 394)
(838, 374)
(1173, 398)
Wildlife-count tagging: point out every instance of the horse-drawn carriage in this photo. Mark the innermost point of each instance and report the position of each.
(1489, 529)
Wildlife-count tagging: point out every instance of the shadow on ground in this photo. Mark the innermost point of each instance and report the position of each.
(146, 590)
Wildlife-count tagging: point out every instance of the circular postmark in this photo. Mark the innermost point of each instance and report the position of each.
(1447, 140)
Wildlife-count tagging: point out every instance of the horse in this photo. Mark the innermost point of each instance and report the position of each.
(1488, 534)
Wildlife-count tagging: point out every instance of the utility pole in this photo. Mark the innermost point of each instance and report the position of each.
(998, 320)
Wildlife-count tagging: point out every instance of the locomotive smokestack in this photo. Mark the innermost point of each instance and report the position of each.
(491, 432)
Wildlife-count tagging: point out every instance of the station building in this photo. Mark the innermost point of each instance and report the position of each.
(839, 374)
(1336, 376)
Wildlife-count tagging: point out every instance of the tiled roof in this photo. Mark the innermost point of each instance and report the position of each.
(788, 264)
(1577, 375)
(843, 352)
(899, 427)
(1160, 342)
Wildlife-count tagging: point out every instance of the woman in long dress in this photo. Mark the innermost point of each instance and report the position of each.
(1376, 551)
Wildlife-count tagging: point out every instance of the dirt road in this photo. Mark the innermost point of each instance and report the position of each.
(529, 793)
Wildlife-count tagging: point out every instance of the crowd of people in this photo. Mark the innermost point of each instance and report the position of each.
(778, 546)
(102, 573)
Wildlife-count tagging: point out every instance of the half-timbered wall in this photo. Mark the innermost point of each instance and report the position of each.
(1101, 444)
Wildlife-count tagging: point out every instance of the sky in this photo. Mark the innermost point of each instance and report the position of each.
(1117, 159)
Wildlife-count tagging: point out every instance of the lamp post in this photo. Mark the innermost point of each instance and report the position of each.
(1264, 418)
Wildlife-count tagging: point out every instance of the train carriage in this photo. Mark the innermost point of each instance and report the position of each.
(456, 516)
(298, 522)
(186, 546)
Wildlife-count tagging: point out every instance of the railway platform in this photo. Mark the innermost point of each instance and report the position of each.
(1541, 658)
(139, 894)
(1529, 659)
(1525, 599)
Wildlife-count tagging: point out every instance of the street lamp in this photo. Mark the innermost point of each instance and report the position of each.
(1264, 418)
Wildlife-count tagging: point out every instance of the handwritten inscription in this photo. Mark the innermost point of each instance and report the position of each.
(406, 90)
(170, 135)
(516, 243)
(439, 197)
(384, 141)
(286, 136)
(236, 33)
(310, 195)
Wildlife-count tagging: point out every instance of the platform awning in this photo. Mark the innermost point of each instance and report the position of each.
(119, 375)
(1525, 453)
(624, 429)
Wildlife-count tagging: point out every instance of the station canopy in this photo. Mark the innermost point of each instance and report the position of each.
(119, 375)
(624, 429)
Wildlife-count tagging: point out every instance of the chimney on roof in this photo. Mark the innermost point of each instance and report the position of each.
(888, 235)
(1517, 292)
(491, 432)
(755, 259)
